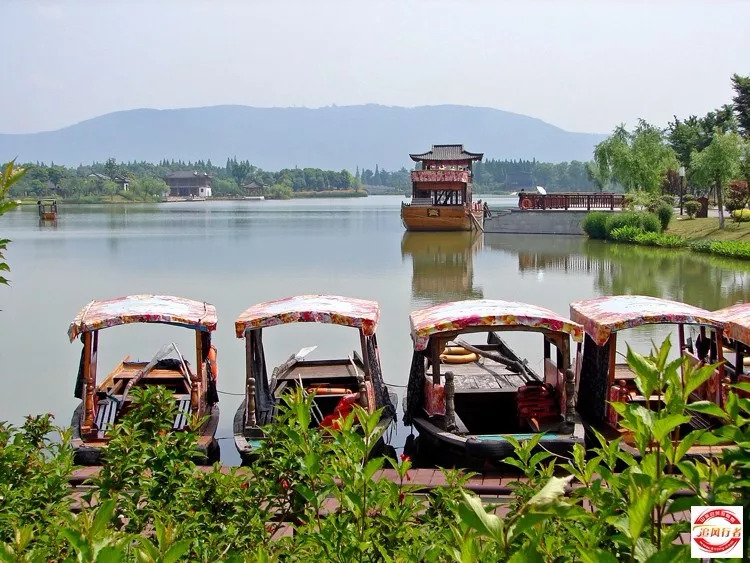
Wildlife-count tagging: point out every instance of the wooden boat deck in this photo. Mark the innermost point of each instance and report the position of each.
(483, 377)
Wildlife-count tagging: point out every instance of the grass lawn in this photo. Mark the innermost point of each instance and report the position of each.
(708, 229)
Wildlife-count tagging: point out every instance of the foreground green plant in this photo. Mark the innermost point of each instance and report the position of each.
(314, 495)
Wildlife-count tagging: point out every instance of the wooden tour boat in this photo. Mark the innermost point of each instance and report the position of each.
(337, 384)
(466, 400)
(47, 209)
(103, 404)
(604, 379)
(737, 340)
(442, 192)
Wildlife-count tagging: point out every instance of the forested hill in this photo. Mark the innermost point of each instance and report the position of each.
(274, 138)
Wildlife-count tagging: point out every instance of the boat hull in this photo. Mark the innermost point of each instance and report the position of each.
(441, 218)
(454, 450)
(92, 452)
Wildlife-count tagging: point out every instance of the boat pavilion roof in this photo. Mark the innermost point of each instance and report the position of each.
(447, 152)
(329, 309)
(458, 316)
(601, 316)
(165, 309)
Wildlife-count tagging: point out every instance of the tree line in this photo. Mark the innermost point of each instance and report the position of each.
(146, 180)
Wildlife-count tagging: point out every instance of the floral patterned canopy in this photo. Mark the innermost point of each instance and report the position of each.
(737, 319)
(144, 309)
(460, 315)
(330, 309)
(602, 316)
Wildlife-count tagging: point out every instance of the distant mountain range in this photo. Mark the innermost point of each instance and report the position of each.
(334, 137)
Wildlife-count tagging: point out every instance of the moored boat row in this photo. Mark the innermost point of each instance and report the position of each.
(469, 401)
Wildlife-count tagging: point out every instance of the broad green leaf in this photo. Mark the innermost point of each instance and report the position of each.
(77, 542)
(694, 378)
(553, 490)
(707, 407)
(474, 514)
(526, 522)
(110, 554)
(671, 554)
(662, 427)
(687, 442)
(178, 549)
(529, 554)
(596, 556)
(643, 549)
(646, 373)
(742, 386)
(372, 467)
(638, 514)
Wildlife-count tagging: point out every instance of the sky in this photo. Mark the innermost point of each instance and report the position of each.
(582, 65)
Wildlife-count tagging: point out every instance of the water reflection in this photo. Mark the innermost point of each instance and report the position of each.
(617, 269)
(442, 265)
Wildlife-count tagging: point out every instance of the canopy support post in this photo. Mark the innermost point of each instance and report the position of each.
(195, 376)
(88, 406)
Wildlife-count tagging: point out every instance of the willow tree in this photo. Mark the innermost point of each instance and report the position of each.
(637, 159)
(717, 164)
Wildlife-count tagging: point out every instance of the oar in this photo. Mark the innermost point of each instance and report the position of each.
(499, 358)
(155, 360)
(289, 364)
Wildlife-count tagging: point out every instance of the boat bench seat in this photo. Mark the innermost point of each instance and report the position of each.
(183, 413)
(105, 414)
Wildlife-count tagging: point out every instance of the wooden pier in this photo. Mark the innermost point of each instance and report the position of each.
(571, 200)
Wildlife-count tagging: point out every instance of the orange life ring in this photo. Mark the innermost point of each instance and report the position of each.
(526, 203)
(212, 362)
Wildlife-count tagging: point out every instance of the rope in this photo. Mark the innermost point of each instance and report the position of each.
(228, 393)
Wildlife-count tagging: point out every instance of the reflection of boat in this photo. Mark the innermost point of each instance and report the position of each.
(737, 331)
(104, 404)
(254, 197)
(441, 192)
(47, 209)
(467, 405)
(603, 380)
(337, 383)
(442, 264)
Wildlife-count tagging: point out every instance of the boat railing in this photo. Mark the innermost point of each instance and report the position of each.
(571, 200)
(420, 202)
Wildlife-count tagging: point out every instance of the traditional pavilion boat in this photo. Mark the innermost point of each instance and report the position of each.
(47, 209)
(737, 341)
(103, 404)
(442, 192)
(604, 379)
(466, 400)
(337, 384)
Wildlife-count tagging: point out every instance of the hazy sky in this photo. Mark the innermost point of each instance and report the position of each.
(581, 65)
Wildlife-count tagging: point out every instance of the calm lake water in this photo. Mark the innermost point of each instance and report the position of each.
(235, 254)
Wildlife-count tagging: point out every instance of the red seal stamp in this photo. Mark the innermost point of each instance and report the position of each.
(716, 531)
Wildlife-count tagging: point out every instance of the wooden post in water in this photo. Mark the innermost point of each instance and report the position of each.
(88, 401)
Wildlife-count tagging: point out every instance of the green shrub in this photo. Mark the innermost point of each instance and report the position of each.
(628, 233)
(741, 215)
(692, 207)
(647, 222)
(660, 239)
(688, 197)
(664, 213)
(594, 224)
(729, 248)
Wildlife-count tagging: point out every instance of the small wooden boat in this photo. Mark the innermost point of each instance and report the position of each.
(737, 334)
(442, 192)
(47, 209)
(603, 379)
(103, 404)
(337, 383)
(467, 400)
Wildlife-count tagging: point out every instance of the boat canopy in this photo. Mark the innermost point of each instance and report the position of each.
(488, 313)
(165, 309)
(329, 309)
(602, 316)
(737, 319)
